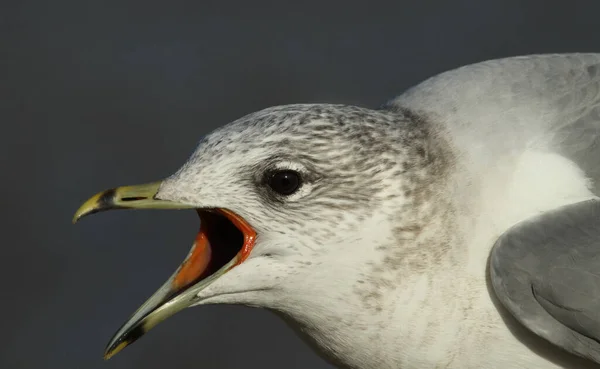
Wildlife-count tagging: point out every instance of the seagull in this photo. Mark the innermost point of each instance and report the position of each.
(456, 226)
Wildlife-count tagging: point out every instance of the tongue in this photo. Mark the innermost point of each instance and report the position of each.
(196, 263)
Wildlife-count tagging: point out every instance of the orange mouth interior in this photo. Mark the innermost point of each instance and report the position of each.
(223, 236)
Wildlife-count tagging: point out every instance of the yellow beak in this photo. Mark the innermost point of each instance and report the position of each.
(165, 302)
(127, 197)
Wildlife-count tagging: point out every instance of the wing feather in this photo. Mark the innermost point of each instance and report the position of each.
(546, 272)
(549, 102)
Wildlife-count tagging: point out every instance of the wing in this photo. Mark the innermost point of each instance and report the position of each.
(546, 272)
(550, 102)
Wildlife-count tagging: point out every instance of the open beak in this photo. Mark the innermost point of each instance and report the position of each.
(224, 241)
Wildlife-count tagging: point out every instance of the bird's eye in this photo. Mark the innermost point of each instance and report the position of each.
(284, 182)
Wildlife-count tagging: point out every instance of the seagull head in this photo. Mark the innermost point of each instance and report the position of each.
(290, 199)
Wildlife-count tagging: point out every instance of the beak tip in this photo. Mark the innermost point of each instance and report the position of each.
(122, 340)
(112, 350)
(90, 206)
(78, 215)
(108, 355)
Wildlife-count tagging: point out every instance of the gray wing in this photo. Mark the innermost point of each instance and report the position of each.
(546, 272)
(551, 102)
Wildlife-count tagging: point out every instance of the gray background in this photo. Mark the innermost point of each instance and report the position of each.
(95, 94)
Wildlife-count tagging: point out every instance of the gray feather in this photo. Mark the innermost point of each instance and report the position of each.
(546, 272)
(550, 102)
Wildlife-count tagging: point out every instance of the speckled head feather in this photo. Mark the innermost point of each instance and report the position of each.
(345, 154)
(356, 229)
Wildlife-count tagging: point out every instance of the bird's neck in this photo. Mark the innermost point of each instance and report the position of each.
(370, 323)
(361, 309)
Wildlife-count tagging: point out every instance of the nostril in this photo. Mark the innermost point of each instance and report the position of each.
(125, 199)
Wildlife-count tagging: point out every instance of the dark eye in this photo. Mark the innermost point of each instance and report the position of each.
(284, 182)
